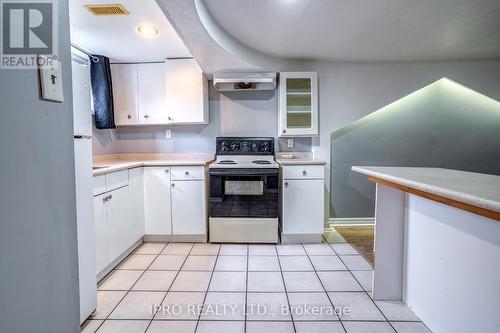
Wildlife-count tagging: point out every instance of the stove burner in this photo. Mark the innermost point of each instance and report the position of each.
(261, 162)
(226, 162)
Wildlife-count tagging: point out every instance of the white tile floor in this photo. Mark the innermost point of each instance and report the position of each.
(244, 289)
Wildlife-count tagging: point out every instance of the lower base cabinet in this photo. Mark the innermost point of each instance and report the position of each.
(188, 207)
(157, 212)
(303, 203)
(175, 200)
(160, 201)
(113, 226)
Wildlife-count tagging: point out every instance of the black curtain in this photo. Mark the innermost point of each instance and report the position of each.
(102, 92)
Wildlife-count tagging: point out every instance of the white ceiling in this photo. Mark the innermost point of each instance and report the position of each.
(363, 30)
(116, 37)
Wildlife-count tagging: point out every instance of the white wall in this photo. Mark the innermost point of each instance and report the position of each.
(38, 244)
(231, 114)
(348, 92)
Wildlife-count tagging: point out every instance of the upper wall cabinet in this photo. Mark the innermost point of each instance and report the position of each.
(124, 78)
(170, 93)
(298, 104)
(151, 94)
(187, 92)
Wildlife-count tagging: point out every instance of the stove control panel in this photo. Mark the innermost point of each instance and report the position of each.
(244, 146)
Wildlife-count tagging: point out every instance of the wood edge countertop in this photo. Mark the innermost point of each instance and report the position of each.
(452, 193)
(104, 164)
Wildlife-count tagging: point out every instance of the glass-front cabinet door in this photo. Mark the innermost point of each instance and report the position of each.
(298, 108)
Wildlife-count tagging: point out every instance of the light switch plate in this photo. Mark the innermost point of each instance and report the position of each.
(51, 80)
(168, 134)
(290, 143)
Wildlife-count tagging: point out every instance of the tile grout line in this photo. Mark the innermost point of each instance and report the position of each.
(284, 286)
(363, 289)
(323, 286)
(175, 277)
(208, 288)
(132, 286)
(245, 308)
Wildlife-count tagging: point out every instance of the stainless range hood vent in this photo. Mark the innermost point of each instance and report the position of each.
(245, 81)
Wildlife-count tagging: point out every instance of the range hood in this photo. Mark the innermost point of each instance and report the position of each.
(245, 81)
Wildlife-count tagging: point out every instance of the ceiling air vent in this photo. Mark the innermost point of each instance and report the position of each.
(107, 9)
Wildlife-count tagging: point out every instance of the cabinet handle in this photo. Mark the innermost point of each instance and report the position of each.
(186, 173)
(284, 131)
(173, 185)
(107, 198)
(170, 118)
(146, 116)
(166, 170)
(304, 173)
(129, 117)
(286, 184)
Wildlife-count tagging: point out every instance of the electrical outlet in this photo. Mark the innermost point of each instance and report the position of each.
(168, 134)
(290, 143)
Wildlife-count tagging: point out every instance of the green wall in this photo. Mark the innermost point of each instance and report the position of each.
(442, 125)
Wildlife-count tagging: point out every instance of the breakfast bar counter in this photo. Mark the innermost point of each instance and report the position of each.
(437, 245)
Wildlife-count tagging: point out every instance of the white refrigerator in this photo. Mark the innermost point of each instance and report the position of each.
(82, 124)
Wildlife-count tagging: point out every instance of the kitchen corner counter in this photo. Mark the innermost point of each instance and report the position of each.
(115, 162)
(297, 158)
(437, 235)
(474, 189)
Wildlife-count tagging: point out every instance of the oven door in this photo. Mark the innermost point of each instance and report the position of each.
(248, 193)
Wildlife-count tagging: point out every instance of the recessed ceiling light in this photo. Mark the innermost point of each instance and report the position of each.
(148, 31)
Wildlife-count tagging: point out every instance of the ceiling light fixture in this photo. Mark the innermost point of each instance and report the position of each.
(148, 31)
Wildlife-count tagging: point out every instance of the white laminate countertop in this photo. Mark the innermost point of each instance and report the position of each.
(297, 158)
(476, 189)
(116, 162)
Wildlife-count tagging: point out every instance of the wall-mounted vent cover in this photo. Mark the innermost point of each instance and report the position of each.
(107, 9)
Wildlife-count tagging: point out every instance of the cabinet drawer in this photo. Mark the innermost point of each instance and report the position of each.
(99, 184)
(188, 173)
(303, 172)
(115, 180)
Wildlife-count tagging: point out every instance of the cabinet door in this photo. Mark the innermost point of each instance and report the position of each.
(303, 206)
(186, 90)
(188, 207)
(136, 187)
(124, 78)
(118, 207)
(101, 232)
(151, 94)
(157, 203)
(298, 104)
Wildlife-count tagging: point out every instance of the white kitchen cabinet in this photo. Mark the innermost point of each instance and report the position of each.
(118, 220)
(136, 187)
(298, 104)
(302, 204)
(189, 216)
(101, 232)
(112, 226)
(186, 92)
(157, 204)
(151, 94)
(125, 99)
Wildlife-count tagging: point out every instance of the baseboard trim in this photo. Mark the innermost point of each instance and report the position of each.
(102, 274)
(301, 238)
(350, 221)
(175, 238)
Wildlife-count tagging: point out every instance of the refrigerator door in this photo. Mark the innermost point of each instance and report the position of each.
(85, 227)
(82, 114)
